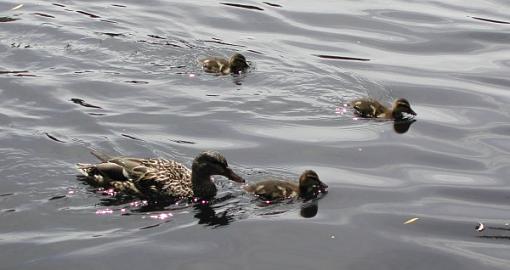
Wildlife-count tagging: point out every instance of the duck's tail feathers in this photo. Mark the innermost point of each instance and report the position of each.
(85, 169)
(100, 155)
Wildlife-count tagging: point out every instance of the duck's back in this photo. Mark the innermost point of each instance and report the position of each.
(274, 189)
(164, 179)
(367, 107)
(215, 65)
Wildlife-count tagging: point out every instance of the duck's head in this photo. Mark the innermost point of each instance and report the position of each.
(238, 63)
(310, 185)
(401, 106)
(213, 163)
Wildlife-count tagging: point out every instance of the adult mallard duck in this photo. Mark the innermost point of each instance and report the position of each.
(371, 108)
(235, 65)
(270, 190)
(157, 178)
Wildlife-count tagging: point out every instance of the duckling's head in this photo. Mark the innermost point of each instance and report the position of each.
(310, 185)
(238, 63)
(400, 106)
(213, 163)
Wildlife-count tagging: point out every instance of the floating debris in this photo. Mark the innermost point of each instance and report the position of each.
(242, 6)
(110, 34)
(156, 36)
(148, 227)
(480, 227)
(272, 4)
(44, 15)
(53, 137)
(7, 19)
(335, 57)
(411, 220)
(57, 197)
(17, 7)
(13, 71)
(182, 141)
(490, 20)
(82, 102)
(88, 14)
(139, 82)
(131, 137)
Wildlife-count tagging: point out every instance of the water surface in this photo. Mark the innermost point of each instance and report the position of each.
(123, 77)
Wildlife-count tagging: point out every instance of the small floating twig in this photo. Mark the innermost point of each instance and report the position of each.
(413, 220)
(341, 57)
(53, 137)
(490, 20)
(242, 6)
(17, 7)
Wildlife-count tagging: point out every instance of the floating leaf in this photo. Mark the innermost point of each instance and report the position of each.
(411, 220)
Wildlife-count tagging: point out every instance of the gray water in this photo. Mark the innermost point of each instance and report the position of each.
(124, 77)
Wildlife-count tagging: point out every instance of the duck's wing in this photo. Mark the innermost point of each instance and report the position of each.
(273, 189)
(165, 178)
(368, 107)
(102, 174)
(214, 65)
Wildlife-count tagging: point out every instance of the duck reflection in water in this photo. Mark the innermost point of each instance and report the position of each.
(207, 215)
(309, 209)
(402, 126)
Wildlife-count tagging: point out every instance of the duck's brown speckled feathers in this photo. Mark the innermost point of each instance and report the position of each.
(236, 64)
(309, 187)
(371, 108)
(274, 189)
(157, 178)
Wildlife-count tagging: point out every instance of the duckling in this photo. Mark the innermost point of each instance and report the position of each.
(235, 65)
(309, 187)
(371, 108)
(157, 178)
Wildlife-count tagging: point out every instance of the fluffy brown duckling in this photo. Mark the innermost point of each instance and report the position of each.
(270, 190)
(371, 108)
(157, 178)
(235, 65)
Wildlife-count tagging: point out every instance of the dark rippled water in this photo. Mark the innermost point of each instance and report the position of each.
(123, 77)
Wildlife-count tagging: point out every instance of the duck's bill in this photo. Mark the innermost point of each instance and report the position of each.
(233, 176)
(323, 187)
(412, 112)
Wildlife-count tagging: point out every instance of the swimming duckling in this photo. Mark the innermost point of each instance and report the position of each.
(309, 187)
(157, 178)
(236, 64)
(371, 108)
